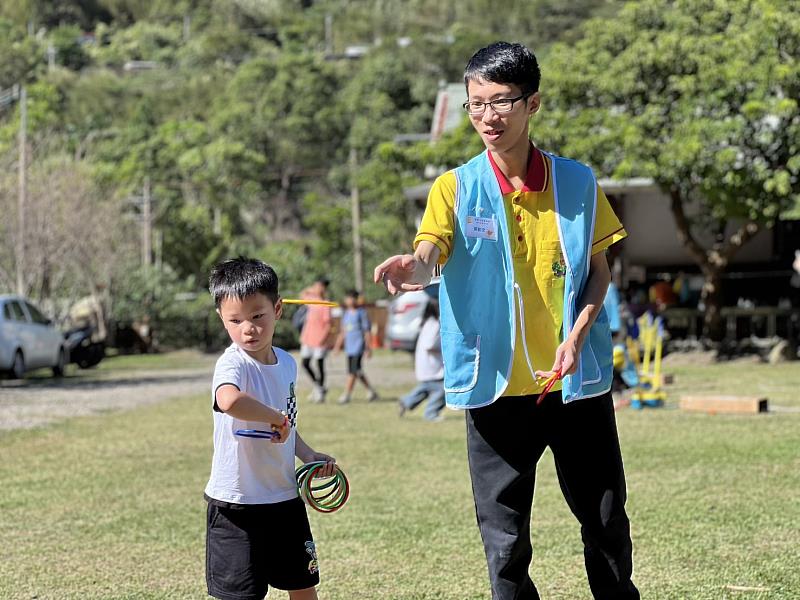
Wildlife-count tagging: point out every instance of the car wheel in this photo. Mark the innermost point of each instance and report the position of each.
(18, 366)
(58, 369)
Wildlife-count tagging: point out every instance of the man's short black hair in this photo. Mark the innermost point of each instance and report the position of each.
(242, 277)
(502, 62)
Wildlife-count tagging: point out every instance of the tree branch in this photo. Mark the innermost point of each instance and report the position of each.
(684, 229)
(739, 238)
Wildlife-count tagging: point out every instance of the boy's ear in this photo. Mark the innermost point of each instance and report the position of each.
(278, 308)
(534, 103)
(220, 315)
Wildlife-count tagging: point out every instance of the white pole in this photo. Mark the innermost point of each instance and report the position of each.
(23, 184)
(358, 259)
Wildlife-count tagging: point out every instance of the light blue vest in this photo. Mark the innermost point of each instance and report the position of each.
(477, 290)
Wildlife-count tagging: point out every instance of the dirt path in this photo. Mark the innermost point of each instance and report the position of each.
(31, 403)
(36, 402)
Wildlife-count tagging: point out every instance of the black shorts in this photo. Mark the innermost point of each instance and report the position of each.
(252, 547)
(354, 364)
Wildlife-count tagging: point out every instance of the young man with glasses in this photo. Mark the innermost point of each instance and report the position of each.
(521, 236)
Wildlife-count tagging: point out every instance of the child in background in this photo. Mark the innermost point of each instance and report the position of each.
(257, 531)
(428, 368)
(314, 336)
(355, 338)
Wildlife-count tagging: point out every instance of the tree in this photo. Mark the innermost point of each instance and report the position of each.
(702, 97)
(74, 239)
(51, 13)
(281, 107)
(144, 40)
(23, 56)
(67, 45)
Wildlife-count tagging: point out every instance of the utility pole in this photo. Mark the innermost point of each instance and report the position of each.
(355, 208)
(23, 184)
(147, 225)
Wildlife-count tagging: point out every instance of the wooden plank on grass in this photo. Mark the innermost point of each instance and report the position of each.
(723, 404)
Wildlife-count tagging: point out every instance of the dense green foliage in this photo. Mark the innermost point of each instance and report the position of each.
(242, 117)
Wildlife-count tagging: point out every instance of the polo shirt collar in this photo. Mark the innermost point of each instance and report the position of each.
(535, 178)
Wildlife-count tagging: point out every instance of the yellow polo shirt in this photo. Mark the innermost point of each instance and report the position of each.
(538, 264)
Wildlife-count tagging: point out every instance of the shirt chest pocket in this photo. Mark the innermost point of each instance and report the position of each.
(550, 267)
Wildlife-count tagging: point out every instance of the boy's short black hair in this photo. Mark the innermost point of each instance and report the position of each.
(242, 277)
(502, 62)
(352, 293)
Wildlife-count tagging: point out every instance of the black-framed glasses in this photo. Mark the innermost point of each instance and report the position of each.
(501, 105)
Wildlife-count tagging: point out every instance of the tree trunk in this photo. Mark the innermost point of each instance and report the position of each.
(712, 262)
(711, 299)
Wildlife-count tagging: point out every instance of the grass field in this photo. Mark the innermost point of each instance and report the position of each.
(111, 506)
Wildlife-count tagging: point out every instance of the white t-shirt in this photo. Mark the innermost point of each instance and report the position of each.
(253, 470)
(428, 365)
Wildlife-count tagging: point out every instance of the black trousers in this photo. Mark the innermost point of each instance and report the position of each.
(504, 442)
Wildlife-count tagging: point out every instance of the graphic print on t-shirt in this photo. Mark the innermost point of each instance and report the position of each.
(291, 406)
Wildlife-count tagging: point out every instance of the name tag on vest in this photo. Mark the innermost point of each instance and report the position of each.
(482, 227)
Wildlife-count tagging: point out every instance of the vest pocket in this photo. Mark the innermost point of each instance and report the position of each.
(599, 339)
(462, 354)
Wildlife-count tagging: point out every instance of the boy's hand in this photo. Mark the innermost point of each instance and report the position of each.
(282, 431)
(330, 463)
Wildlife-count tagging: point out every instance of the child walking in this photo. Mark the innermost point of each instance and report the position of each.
(314, 337)
(428, 368)
(355, 338)
(257, 531)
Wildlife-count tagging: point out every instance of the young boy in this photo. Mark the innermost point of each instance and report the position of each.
(257, 530)
(522, 236)
(355, 337)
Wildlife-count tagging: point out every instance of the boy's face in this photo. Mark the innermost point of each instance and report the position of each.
(502, 132)
(349, 301)
(250, 322)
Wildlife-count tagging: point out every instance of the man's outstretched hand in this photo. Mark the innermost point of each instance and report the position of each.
(399, 273)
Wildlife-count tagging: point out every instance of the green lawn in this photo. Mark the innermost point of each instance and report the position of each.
(111, 506)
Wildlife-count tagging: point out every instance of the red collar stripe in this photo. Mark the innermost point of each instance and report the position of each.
(536, 178)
